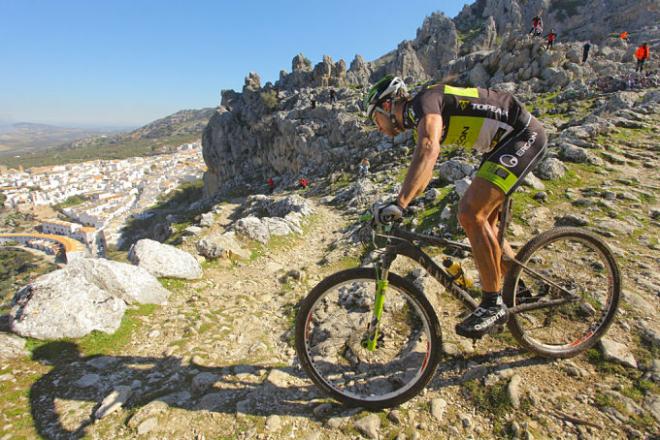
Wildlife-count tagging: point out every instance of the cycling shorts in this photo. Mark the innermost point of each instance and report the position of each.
(506, 165)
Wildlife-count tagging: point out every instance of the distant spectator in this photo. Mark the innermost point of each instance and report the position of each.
(271, 185)
(585, 51)
(333, 96)
(363, 168)
(313, 102)
(537, 26)
(303, 183)
(642, 54)
(551, 39)
(624, 36)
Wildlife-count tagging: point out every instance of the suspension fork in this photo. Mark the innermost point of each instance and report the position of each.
(382, 269)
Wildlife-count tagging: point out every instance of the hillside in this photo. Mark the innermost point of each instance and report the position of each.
(156, 137)
(25, 137)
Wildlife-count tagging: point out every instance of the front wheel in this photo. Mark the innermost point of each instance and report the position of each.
(332, 327)
(582, 264)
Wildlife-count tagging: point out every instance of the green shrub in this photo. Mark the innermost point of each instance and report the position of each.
(269, 99)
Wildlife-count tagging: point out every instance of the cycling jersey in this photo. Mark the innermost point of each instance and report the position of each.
(492, 122)
(472, 117)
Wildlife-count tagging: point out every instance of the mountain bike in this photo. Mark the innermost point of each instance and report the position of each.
(369, 337)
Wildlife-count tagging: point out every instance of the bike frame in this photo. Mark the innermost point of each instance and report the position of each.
(401, 242)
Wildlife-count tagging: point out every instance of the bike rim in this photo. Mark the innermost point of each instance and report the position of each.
(349, 380)
(602, 272)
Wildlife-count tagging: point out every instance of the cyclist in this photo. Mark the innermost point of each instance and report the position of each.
(495, 124)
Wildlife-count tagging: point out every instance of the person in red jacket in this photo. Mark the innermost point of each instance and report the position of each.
(271, 185)
(303, 183)
(642, 54)
(551, 39)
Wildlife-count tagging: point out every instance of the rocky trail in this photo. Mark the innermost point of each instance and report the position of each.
(217, 361)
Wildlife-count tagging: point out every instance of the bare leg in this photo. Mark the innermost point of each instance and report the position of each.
(504, 264)
(481, 200)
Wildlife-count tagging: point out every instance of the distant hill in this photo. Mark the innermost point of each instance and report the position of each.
(28, 137)
(156, 137)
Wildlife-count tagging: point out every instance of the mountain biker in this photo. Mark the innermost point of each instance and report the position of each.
(495, 124)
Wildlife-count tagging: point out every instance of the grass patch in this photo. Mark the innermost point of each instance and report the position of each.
(595, 357)
(71, 201)
(93, 344)
(492, 399)
(173, 284)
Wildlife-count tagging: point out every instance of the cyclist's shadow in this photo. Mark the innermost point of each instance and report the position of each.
(64, 401)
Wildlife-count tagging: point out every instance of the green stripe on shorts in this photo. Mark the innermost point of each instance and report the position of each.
(498, 176)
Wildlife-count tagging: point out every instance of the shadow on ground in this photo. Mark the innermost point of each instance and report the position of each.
(82, 382)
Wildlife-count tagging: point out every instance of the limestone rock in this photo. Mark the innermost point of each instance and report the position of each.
(617, 352)
(62, 305)
(162, 260)
(369, 426)
(454, 169)
(221, 246)
(253, 228)
(113, 401)
(550, 169)
(11, 346)
(133, 284)
(571, 153)
(438, 408)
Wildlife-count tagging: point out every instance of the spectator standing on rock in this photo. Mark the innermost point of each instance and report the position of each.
(271, 185)
(624, 36)
(585, 51)
(551, 39)
(363, 168)
(303, 183)
(642, 54)
(313, 102)
(333, 96)
(537, 26)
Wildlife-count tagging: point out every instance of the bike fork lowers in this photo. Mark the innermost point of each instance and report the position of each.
(373, 332)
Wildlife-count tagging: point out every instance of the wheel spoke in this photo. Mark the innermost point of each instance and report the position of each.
(335, 327)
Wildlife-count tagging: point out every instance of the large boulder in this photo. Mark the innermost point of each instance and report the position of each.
(253, 228)
(63, 304)
(162, 260)
(133, 284)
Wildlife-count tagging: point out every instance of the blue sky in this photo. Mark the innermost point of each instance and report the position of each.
(128, 62)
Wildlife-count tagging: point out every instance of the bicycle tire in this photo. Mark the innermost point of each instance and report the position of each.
(594, 332)
(304, 319)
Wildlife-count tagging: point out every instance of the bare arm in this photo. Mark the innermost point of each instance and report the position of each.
(426, 153)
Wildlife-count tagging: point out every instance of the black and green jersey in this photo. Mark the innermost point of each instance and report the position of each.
(472, 117)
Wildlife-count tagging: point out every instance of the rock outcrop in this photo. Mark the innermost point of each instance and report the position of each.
(62, 304)
(162, 260)
(87, 294)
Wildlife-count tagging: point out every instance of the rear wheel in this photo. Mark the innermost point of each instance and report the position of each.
(581, 263)
(331, 328)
